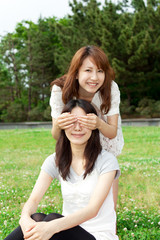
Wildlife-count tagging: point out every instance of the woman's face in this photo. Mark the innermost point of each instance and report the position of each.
(90, 77)
(77, 134)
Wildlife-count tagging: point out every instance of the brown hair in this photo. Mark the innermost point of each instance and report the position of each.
(63, 148)
(70, 85)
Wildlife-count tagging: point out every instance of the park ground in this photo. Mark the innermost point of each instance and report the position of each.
(138, 210)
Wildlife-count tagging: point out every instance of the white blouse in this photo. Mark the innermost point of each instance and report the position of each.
(113, 145)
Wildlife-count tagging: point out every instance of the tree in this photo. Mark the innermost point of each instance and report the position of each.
(77, 30)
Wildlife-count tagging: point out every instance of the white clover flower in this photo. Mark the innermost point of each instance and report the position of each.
(125, 229)
(5, 223)
(135, 226)
(132, 234)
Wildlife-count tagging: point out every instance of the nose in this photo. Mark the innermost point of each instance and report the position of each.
(94, 75)
(77, 126)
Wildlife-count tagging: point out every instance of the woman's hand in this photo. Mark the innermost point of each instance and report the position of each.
(40, 231)
(91, 121)
(66, 120)
(26, 223)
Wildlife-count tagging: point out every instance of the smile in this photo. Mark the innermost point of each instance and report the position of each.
(93, 84)
(77, 135)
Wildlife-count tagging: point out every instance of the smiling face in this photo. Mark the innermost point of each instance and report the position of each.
(77, 134)
(90, 78)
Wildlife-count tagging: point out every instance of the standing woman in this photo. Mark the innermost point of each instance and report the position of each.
(90, 77)
(86, 179)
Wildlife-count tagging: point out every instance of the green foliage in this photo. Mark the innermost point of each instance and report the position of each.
(37, 53)
(47, 114)
(36, 113)
(127, 109)
(14, 113)
(149, 108)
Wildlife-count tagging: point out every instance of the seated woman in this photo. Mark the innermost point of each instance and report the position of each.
(86, 173)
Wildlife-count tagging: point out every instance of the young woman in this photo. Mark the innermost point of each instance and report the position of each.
(90, 77)
(86, 173)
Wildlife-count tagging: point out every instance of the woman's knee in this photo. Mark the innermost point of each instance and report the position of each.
(52, 216)
(38, 217)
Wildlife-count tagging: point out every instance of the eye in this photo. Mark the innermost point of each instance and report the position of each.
(100, 70)
(88, 70)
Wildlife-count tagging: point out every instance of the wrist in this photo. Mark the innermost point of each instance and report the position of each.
(57, 125)
(99, 125)
(53, 226)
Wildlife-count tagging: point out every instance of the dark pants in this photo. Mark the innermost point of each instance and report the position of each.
(75, 233)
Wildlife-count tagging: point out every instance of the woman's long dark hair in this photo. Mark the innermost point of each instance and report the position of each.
(63, 147)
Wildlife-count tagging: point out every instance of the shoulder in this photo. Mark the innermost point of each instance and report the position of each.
(114, 87)
(49, 160)
(56, 88)
(49, 166)
(56, 102)
(107, 162)
(105, 156)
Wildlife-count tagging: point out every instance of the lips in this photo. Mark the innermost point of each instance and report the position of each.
(92, 84)
(77, 135)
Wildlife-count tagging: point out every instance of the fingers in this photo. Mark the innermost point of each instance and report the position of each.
(89, 121)
(66, 120)
(30, 234)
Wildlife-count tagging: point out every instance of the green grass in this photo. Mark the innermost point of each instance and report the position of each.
(138, 211)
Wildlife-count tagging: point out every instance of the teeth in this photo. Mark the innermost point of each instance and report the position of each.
(92, 84)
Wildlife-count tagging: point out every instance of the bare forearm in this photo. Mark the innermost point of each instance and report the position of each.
(29, 208)
(74, 219)
(55, 130)
(55, 133)
(107, 129)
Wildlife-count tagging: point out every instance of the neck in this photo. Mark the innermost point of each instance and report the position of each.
(78, 151)
(85, 95)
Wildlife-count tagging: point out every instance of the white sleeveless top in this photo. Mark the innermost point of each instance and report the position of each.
(114, 145)
(76, 193)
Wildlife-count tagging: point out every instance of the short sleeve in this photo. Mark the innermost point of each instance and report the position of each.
(56, 102)
(115, 99)
(107, 162)
(49, 166)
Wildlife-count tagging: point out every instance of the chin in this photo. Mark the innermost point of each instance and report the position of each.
(78, 142)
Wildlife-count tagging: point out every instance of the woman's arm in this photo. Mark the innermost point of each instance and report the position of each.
(30, 207)
(90, 211)
(108, 129)
(55, 129)
(64, 121)
(59, 121)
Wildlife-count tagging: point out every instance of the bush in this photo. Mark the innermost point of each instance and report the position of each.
(126, 109)
(36, 114)
(47, 114)
(14, 113)
(149, 108)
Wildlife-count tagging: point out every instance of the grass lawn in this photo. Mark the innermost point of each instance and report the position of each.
(22, 153)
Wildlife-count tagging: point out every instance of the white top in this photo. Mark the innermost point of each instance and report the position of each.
(77, 191)
(114, 145)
